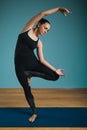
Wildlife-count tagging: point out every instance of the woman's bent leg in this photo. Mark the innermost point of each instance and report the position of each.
(42, 72)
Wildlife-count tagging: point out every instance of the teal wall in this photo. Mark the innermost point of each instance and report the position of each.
(65, 46)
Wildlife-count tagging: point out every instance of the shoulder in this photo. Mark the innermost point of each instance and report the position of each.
(25, 30)
(40, 44)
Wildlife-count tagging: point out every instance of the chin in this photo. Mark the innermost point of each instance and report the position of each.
(42, 34)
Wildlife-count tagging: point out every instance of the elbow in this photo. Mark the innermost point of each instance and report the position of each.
(42, 61)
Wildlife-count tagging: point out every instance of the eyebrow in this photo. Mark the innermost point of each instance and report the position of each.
(47, 28)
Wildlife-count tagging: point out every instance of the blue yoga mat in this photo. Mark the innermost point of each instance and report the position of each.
(47, 117)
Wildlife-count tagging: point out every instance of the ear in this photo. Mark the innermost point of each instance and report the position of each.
(38, 24)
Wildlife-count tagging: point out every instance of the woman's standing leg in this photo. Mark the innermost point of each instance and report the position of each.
(25, 82)
(31, 102)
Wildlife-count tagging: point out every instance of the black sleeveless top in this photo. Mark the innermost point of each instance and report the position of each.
(25, 44)
(24, 52)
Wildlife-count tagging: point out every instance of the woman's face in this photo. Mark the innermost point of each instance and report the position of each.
(43, 28)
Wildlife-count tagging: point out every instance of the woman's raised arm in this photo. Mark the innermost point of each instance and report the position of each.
(40, 15)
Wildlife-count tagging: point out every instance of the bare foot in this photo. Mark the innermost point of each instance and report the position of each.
(32, 118)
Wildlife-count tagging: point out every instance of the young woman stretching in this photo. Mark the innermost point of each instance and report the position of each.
(27, 65)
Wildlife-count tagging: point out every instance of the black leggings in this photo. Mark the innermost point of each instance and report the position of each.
(38, 71)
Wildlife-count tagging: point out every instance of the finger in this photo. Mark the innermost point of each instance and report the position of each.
(62, 74)
(67, 12)
(61, 69)
(64, 14)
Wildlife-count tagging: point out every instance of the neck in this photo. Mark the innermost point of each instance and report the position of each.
(35, 31)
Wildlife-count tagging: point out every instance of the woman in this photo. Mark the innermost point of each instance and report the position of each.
(27, 65)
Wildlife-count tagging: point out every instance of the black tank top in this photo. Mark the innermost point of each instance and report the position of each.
(25, 45)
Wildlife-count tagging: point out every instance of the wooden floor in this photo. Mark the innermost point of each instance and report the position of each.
(52, 97)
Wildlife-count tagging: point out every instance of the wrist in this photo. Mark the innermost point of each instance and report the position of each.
(58, 9)
(55, 70)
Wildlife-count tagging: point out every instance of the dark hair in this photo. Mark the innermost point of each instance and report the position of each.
(42, 21)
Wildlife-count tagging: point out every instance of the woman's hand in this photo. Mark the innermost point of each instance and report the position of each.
(64, 11)
(60, 72)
